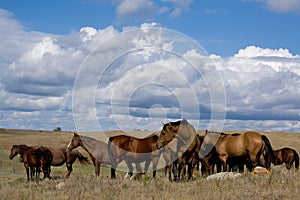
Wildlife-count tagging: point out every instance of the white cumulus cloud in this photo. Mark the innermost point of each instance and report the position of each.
(280, 6)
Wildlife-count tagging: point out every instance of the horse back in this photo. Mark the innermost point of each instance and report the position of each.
(136, 145)
(253, 141)
(232, 145)
(59, 155)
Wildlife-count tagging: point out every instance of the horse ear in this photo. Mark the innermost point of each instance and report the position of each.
(75, 134)
(184, 122)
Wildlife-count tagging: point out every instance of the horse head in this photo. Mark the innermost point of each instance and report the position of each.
(167, 134)
(75, 142)
(182, 130)
(13, 152)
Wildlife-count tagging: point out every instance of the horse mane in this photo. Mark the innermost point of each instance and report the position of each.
(23, 146)
(216, 132)
(176, 123)
(87, 138)
(152, 135)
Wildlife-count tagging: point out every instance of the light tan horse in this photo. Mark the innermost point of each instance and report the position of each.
(250, 144)
(96, 149)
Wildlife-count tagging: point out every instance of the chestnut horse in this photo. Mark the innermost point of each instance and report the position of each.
(256, 147)
(133, 150)
(60, 156)
(181, 145)
(285, 155)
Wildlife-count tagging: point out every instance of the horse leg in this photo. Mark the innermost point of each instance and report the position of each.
(69, 168)
(139, 171)
(289, 162)
(155, 159)
(32, 173)
(130, 169)
(190, 171)
(179, 168)
(147, 164)
(253, 160)
(27, 171)
(97, 168)
(113, 172)
(174, 170)
(170, 168)
(223, 160)
(288, 165)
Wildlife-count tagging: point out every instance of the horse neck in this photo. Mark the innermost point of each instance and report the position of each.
(22, 150)
(186, 132)
(88, 143)
(214, 138)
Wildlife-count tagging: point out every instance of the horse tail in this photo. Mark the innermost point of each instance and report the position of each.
(268, 151)
(82, 159)
(296, 157)
(37, 156)
(47, 156)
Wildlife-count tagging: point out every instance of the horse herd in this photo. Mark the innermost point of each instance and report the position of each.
(179, 145)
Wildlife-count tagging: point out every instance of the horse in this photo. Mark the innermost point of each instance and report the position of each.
(33, 158)
(251, 145)
(96, 149)
(133, 150)
(45, 157)
(60, 156)
(235, 164)
(181, 145)
(286, 155)
(210, 160)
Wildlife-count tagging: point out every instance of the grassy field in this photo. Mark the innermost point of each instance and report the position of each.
(280, 184)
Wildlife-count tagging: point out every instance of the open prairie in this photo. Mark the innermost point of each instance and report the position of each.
(82, 184)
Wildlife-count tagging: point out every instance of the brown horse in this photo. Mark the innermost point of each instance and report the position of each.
(33, 158)
(254, 146)
(133, 150)
(45, 157)
(96, 149)
(181, 145)
(60, 156)
(285, 155)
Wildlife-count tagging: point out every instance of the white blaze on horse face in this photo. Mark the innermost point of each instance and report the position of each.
(69, 146)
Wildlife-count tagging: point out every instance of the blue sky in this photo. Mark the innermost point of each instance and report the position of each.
(222, 27)
(254, 45)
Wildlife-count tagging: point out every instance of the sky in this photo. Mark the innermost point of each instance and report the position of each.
(93, 65)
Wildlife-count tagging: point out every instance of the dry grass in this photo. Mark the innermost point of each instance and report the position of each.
(280, 184)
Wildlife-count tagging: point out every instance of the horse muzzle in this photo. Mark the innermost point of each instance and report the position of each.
(69, 148)
(159, 146)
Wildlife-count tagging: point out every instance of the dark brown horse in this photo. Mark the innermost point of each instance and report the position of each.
(133, 150)
(60, 156)
(34, 158)
(254, 146)
(285, 155)
(96, 149)
(181, 147)
(45, 157)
